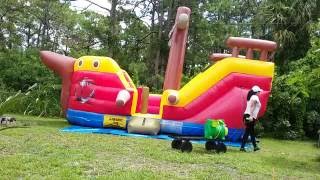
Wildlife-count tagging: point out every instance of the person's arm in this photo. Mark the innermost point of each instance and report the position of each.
(256, 108)
(258, 103)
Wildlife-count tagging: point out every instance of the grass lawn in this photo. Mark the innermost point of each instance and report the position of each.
(39, 150)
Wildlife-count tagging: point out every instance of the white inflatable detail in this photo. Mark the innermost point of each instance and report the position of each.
(122, 97)
(173, 97)
(183, 21)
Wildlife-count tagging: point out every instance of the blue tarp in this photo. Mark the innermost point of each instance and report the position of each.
(120, 132)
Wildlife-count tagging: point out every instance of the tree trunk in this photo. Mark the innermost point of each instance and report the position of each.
(152, 42)
(169, 24)
(113, 23)
(158, 54)
(28, 36)
(38, 38)
(153, 12)
(45, 22)
(171, 17)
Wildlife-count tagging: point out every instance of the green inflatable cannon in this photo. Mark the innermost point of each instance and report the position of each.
(215, 132)
(215, 129)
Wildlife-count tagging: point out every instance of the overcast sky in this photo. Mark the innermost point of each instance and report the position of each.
(82, 4)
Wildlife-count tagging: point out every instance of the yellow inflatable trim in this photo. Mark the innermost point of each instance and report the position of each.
(153, 116)
(96, 64)
(205, 80)
(156, 95)
(129, 85)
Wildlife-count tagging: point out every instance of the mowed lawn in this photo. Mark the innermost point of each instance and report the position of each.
(36, 149)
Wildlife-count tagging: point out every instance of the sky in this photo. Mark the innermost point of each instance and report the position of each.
(82, 4)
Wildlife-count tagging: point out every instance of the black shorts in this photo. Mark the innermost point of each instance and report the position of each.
(246, 120)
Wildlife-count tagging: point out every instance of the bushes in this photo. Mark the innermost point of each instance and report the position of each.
(312, 123)
(294, 108)
(26, 85)
(39, 100)
(290, 112)
(21, 70)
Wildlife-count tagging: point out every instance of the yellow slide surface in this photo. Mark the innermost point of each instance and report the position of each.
(205, 80)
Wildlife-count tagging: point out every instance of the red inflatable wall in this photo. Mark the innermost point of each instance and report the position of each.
(104, 87)
(154, 104)
(225, 100)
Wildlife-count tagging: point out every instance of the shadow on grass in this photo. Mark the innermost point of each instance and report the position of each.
(202, 150)
(12, 127)
(49, 123)
(24, 120)
(21, 124)
(58, 124)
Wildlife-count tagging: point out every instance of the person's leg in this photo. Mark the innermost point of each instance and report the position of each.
(252, 134)
(253, 137)
(244, 138)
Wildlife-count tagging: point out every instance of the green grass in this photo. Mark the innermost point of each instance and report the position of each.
(38, 150)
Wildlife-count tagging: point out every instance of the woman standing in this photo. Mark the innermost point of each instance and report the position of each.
(250, 117)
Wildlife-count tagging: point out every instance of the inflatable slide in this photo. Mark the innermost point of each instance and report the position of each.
(96, 92)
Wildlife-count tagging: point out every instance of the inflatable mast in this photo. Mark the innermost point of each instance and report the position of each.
(178, 40)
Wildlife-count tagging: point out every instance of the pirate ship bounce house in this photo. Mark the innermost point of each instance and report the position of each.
(97, 93)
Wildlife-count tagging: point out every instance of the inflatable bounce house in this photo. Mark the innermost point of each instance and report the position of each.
(96, 92)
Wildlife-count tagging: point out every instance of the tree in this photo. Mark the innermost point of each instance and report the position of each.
(9, 16)
(288, 23)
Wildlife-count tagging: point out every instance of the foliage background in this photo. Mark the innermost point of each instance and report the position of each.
(135, 33)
